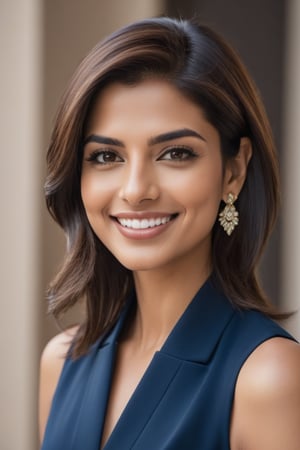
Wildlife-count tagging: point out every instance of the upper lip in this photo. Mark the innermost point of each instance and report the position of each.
(141, 215)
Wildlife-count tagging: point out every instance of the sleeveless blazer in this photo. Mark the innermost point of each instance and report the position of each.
(184, 399)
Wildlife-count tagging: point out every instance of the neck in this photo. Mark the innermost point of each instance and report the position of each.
(162, 297)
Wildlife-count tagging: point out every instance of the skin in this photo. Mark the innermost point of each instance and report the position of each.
(140, 171)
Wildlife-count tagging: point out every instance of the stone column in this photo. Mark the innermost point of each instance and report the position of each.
(20, 148)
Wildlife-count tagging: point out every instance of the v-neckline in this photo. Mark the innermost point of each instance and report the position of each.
(127, 405)
(126, 316)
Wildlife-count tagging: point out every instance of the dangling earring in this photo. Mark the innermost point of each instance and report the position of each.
(229, 217)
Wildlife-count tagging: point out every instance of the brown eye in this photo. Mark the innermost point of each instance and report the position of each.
(178, 154)
(107, 157)
(104, 157)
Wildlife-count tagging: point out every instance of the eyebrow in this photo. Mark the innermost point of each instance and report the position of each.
(164, 137)
(103, 140)
(184, 132)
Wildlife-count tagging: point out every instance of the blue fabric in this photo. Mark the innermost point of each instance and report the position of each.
(184, 399)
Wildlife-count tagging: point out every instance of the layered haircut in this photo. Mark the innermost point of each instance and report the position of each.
(204, 68)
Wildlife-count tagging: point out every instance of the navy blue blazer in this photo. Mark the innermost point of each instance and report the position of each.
(184, 399)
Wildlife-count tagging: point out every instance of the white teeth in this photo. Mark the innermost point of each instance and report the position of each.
(142, 224)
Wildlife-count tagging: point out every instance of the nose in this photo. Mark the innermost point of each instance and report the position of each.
(139, 183)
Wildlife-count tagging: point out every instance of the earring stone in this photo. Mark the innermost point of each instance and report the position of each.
(229, 217)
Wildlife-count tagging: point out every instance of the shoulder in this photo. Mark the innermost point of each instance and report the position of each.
(54, 354)
(58, 345)
(266, 412)
(51, 364)
(272, 370)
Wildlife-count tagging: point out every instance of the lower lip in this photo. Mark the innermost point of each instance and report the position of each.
(146, 233)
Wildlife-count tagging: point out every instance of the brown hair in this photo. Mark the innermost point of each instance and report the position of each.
(202, 66)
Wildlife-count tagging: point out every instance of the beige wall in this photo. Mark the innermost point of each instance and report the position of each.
(291, 172)
(20, 123)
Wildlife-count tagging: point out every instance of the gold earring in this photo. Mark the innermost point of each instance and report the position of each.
(229, 217)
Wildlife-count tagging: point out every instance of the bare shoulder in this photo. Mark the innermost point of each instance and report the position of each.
(56, 348)
(266, 412)
(273, 369)
(52, 361)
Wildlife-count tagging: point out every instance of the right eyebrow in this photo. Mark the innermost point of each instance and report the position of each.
(103, 140)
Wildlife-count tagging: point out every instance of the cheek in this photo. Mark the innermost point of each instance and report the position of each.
(201, 188)
(94, 198)
(88, 193)
(94, 191)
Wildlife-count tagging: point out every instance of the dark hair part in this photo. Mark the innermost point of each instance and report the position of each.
(204, 68)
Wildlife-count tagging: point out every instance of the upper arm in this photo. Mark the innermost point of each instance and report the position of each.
(266, 411)
(51, 364)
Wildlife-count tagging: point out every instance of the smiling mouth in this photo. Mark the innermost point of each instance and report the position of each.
(143, 224)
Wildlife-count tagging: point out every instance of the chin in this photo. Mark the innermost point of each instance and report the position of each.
(138, 266)
(141, 263)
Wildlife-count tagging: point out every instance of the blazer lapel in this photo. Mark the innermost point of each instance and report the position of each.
(143, 402)
(198, 331)
(90, 419)
(193, 339)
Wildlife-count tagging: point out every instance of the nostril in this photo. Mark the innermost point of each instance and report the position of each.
(136, 193)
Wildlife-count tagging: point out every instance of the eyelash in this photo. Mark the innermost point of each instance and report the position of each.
(187, 152)
(93, 157)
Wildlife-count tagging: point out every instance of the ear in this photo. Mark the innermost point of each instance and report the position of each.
(236, 169)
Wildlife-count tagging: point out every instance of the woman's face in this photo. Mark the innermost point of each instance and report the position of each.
(152, 176)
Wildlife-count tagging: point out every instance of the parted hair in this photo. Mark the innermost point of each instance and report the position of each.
(202, 66)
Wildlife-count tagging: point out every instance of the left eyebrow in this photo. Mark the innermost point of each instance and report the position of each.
(184, 132)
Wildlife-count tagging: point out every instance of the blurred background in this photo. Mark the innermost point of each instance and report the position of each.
(42, 41)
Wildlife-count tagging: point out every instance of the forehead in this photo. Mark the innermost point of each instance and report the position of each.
(156, 101)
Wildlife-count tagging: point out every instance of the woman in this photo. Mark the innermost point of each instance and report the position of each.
(163, 175)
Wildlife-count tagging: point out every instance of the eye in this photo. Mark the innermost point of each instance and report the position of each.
(178, 154)
(104, 157)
